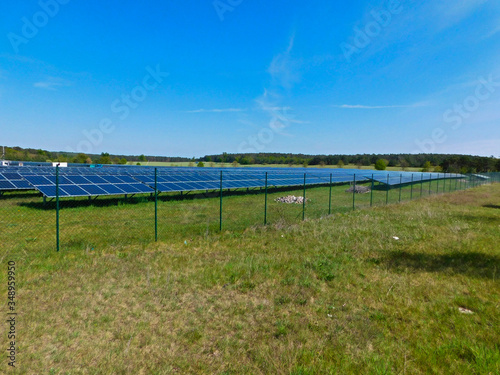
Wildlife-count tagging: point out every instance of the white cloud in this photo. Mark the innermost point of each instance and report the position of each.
(284, 70)
(52, 83)
(217, 110)
(360, 106)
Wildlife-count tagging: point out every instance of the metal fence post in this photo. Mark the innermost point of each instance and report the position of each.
(330, 197)
(421, 184)
(304, 200)
(371, 193)
(387, 192)
(57, 207)
(156, 205)
(354, 192)
(411, 189)
(437, 185)
(220, 206)
(430, 183)
(400, 186)
(265, 204)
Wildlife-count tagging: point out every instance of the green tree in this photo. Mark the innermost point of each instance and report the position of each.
(380, 165)
(200, 164)
(104, 158)
(123, 161)
(427, 166)
(340, 164)
(142, 158)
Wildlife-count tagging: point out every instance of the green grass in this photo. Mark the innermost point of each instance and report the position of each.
(333, 294)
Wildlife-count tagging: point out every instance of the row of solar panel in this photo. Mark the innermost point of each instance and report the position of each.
(93, 190)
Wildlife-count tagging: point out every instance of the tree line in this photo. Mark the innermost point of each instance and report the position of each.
(428, 162)
(446, 162)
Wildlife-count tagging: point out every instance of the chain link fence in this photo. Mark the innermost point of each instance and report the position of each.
(89, 223)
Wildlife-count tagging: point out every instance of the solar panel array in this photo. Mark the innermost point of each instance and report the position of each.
(84, 181)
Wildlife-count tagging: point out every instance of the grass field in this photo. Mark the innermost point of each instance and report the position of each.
(334, 294)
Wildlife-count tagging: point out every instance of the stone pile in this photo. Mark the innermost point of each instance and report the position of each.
(359, 190)
(291, 199)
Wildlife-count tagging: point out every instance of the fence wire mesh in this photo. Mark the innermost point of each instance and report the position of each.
(29, 219)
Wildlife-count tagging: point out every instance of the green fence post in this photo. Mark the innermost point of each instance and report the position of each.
(304, 200)
(265, 204)
(411, 189)
(421, 184)
(220, 206)
(400, 186)
(371, 193)
(387, 192)
(354, 192)
(57, 207)
(437, 185)
(330, 197)
(456, 183)
(156, 205)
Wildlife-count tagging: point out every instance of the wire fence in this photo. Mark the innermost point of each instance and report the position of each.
(90, 223)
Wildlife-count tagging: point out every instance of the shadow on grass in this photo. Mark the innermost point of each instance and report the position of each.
(471, 264)
(491, 206)
(105, 201)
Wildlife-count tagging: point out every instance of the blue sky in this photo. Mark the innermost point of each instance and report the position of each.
(190, 78)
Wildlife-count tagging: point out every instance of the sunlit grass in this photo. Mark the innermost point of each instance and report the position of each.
(334, 294)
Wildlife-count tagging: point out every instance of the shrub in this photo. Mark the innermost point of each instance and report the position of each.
(380, 165)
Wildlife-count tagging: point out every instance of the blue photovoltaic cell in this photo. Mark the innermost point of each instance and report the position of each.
(111, 189)
(12, 176)
(38, 180)
(142, 188)
(74, 190)
(127, 179)
(93, 189)
(21, 184)
(6, 185)
(78, 180)
(112, 179)
(2, 177)
(96, 179)
(50, 191)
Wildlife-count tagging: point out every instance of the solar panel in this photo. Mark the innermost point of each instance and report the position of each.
(6, 185)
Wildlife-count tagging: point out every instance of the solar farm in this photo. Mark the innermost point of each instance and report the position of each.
(90, 207)
(109, 181)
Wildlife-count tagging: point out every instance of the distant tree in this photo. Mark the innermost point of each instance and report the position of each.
(322, 164)
(123, 161)
(305, 164)
(88, 161)
(438, 168)
(142, 158)
(235, 163)
(80, 158)
(116, 160)
(137, 163)
(427, 166)
(340, 164)
(104, 158)
(404, 164)
(200, 164)
(380, 165)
